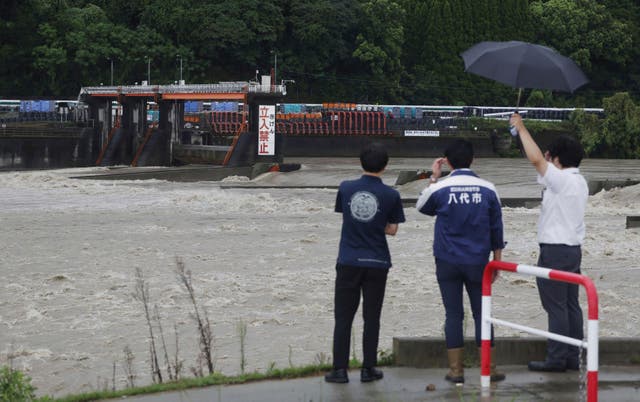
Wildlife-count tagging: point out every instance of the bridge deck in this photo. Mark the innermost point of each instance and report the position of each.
(224, 90)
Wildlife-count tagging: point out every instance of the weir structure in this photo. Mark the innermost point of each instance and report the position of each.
(144, 125)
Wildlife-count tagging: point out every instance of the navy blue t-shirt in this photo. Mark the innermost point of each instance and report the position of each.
(367, 205)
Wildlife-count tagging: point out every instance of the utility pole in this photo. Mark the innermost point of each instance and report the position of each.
(148, 70)
(111, 59)
(275, 67)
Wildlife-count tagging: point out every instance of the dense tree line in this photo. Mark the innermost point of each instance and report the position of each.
(375, 51)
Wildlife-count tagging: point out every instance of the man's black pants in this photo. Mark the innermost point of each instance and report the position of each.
(350, 282)
(560, 301)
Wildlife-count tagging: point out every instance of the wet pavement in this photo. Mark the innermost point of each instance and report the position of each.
(616, 384)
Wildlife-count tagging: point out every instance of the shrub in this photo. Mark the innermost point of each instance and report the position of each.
(15, 386)
(617, 134)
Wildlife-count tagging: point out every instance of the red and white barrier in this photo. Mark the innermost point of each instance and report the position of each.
(591, 345)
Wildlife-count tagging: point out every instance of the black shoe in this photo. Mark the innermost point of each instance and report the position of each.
(497, 377)
(370, 374)
(548, 367)
(455, 379)
(337, 375)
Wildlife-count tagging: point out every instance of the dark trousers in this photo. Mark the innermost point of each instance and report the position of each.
(350, 282)
(560, 301)
(451, 279)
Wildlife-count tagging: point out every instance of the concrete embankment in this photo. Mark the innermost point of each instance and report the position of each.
(430, 352)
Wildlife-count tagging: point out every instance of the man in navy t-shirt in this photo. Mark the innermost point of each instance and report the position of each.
(370, 211)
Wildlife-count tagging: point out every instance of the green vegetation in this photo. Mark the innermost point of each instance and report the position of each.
(617, 135)
(15, 387)
(373, 51)
(195, 382)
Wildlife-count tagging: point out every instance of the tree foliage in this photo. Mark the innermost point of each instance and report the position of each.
(385, 51)
(617, 134)
(589, 34)
(621, 126)
(379, 48)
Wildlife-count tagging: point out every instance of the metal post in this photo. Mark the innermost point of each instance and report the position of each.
(148, 70)
(275, 67)
(111, 71)
(180, 68)
(592, 337)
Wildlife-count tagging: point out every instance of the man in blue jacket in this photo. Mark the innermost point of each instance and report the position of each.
(468, 228)
(370, 210)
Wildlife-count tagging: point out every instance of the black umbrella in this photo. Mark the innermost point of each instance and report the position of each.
(523, 65)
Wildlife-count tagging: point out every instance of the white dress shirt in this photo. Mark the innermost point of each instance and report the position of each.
(564, 202)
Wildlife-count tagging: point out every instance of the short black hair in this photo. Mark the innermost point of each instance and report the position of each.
(374, 158)
(459, 153)
(568, 150)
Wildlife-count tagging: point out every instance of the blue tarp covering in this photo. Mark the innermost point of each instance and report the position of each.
(293, 108)
(44, 106)
(224, 106)
(193, 106)
(153, 115)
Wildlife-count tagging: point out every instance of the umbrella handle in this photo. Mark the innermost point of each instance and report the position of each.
(514, 132)
(512, 129)
(518, 101)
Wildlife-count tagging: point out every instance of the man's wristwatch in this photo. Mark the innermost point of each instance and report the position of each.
(433, 179)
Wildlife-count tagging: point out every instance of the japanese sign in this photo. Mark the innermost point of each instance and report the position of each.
(266, 130)
(421, 133)
(465, 195)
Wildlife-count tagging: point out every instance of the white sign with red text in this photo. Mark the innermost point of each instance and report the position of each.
(266, 130)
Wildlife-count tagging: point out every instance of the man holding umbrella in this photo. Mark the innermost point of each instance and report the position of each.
(561, 223)
(561, 231)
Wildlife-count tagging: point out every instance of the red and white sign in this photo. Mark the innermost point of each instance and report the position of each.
(266, 130)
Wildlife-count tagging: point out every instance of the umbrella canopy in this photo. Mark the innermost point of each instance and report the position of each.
(524, 65)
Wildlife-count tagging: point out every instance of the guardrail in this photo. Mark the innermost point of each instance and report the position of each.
(591, 345)
(223, 87)
(39, 132)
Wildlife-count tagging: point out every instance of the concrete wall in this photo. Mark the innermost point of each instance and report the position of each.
(431, 352)
(350, 146)
(47, 153)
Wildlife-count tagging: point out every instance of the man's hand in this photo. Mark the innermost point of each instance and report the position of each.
(391, 229)
(516, 121)
(497, 256)
(436, 167)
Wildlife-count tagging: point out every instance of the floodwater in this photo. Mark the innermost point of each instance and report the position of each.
(260, 258)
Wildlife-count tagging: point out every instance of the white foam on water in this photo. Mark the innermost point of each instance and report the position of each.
(235, 179)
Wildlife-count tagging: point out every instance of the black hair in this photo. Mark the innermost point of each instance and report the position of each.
(374, 158)
(459, 153)
(568, 150)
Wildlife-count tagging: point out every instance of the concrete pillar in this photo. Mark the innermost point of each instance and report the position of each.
(168, 113)
(128, 126)
(633, 222)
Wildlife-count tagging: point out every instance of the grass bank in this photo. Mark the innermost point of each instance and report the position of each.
(206, 381)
